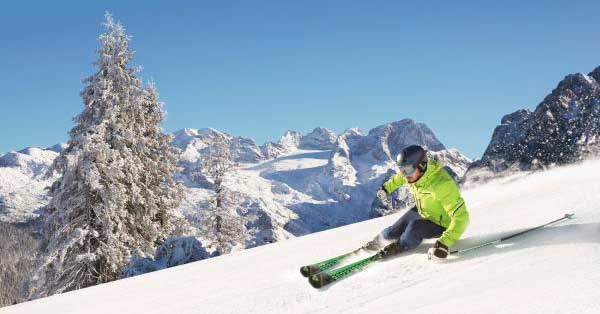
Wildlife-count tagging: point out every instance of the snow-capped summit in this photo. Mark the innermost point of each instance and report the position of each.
(319, 138)
(564, 128)
(290, 139)
(183, 137)
(454, 162)
(194, 144)
(210, 132)
(23, 183)
(386, 141)
(197, 138)
(58, 147)
(349, 139)
(288, 142)
(32, 160)
(245, 150)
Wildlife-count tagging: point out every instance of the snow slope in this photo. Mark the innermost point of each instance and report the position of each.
(554, 270)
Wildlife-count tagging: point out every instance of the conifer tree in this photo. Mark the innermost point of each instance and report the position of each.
(221, 223)
(116, 195)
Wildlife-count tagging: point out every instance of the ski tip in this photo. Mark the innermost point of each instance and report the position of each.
(309, 270)
(304, 271)
(320, 280)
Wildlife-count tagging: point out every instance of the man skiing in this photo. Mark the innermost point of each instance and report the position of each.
(440, 211)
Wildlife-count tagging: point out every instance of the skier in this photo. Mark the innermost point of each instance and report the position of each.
(440, 211)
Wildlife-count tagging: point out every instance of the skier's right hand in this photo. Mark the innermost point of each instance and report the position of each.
(391, 249)
(381, 194)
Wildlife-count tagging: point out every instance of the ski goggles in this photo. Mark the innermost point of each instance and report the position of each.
(407, 170)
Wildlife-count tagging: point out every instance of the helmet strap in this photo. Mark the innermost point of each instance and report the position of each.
(422, 166)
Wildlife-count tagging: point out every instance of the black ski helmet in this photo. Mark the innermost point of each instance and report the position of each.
(414, 155)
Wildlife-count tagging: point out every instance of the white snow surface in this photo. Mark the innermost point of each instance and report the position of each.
(552, 270)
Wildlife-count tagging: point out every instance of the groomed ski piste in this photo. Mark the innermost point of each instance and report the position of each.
(552, 270)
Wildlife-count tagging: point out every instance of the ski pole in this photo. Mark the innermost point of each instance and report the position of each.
(566, 216)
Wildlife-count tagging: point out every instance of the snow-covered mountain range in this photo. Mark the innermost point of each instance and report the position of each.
(306, 183)
(295, 186)
(564, 128)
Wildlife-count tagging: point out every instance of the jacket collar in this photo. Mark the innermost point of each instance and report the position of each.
(432, 168)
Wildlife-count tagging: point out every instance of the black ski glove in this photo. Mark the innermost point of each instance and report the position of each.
(438, 250)
(391, 249)
(382, 194)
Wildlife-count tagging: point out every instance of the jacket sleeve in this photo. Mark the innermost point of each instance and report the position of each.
(454, 206)
(394, 183)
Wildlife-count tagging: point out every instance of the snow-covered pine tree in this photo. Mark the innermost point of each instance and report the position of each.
(221, 224)
(116, 194)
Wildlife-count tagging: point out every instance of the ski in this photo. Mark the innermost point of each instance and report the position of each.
(316, 268)
(322, 275)
(326, 277)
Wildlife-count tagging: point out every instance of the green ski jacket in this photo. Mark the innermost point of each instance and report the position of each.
(438, 200)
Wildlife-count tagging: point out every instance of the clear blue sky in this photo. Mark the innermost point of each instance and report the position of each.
(257, 68)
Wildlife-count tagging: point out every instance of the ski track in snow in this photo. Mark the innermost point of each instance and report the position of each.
(552, 270)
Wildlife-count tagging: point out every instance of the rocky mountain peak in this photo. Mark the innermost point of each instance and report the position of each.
(596, 74)
(573, 86)
(564, 127)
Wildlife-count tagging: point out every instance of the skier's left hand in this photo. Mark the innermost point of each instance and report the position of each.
(382, 194)
(438, 250)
